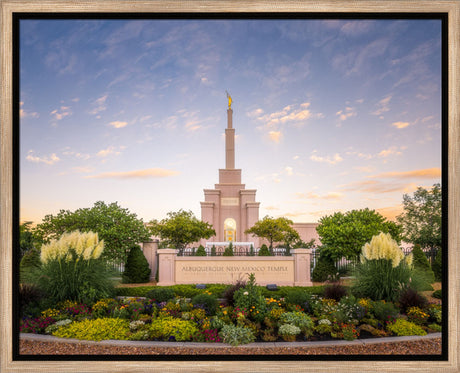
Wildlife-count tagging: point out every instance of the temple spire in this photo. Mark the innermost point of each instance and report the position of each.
(229, 137)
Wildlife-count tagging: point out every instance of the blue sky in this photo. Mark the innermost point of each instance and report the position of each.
(330, 115)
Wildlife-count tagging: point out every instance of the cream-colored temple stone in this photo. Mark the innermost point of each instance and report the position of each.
(230, 208)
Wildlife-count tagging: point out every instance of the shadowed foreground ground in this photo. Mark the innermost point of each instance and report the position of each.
(418, 347)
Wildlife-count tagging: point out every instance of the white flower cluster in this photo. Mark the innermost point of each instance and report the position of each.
(288, 329)
(134, 325)
(83, 245)
(383, 246)
(324, 321)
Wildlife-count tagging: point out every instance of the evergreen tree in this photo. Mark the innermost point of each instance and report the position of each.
(437, 266)
(137, 268)
(200, 251)
(228, 250)
(213, 250)
(264, 251)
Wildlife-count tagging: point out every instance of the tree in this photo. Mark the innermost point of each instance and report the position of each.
(137, 268)
(119, 228)
(180, 229)
(26, 237)
(344, 234)
(421, 219)
(274, 230)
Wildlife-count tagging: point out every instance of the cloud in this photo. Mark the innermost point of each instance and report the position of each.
(393, 150)
(255, 113)
(63, 112)
(85, 170)
(24, 114)
(275, 136)
(99, 105)
(327, 196)
(111, 150)
(139, 174)
(297, 114)
(52, 159)
(400, 125)
(336, 158)
(77, 155)
(427, 173)
(347, 113)
(382, 106)
(118, 124)
(289, 171)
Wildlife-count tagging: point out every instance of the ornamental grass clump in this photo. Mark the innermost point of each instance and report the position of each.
(72, 268)
(383, 271)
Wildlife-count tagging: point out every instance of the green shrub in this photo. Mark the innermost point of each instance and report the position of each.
(31, 299)
(264, 251)
(251, 251)
(437, 266)
(137, 268)
(251, 298)
(298, 297)
(435, 327)
(299, 319)
(420, 260)
(383, 311)
(324, 270)
(206, 301)
(161, 294)
(72, 269)
(95, 330)
(228, 250)
(30, 266)
(138, 291)
(236, 335)
(200, 251)
(289, 332)
(437, 294)
(403, 327)
(168, 328)
(213, 250)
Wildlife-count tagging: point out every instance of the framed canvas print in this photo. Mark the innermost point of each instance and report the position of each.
(216, 186)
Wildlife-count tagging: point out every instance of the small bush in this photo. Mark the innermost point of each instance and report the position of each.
(138, 291)
(324, 269)
(420, 259)
(213, 250)
(437, 266)
(411, 298)
(161, 294)
(200, 251)
(95, 330)
(228, 250)
(403, 327)
(289, 332)
(437, 294)
(299, 297)
(30, 266)
(236, 335)
(30, 298)
(206, 301)
(298, 319)
(137, 268)
(384, 311)
(334, 291)
(264, 251)
(172, 329)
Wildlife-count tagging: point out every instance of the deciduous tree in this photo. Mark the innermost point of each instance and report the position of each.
(180, 229)
(119, 228)
(344, 234)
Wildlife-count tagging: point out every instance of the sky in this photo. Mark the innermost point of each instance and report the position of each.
(330, 115)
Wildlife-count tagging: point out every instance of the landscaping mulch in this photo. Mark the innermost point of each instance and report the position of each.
(418, 347)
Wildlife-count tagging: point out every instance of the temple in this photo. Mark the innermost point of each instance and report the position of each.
(230, 208)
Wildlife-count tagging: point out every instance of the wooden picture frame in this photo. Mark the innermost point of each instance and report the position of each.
(451, 8)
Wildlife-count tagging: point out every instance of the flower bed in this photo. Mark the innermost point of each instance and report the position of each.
(252, 317)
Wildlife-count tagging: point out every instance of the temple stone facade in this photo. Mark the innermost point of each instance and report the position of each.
(230, 208)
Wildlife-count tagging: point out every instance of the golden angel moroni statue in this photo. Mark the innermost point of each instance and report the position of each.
(229, 100)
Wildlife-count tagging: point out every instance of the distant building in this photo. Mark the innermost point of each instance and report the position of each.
(231, 208)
